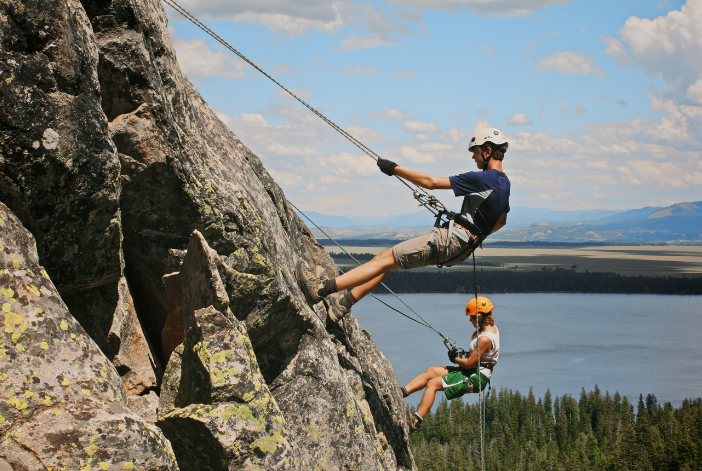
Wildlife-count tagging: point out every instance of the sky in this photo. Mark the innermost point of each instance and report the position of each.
(601, 100)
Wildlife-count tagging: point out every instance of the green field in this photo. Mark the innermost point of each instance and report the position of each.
(625, 260)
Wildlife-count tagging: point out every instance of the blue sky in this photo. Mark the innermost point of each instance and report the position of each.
(601, 100)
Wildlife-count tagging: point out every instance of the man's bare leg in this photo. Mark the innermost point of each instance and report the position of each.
(368, 272)
(359, 292)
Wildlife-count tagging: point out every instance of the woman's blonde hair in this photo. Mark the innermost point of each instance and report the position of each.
(488, 319)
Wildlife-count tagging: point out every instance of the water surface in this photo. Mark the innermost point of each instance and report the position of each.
(633, 344)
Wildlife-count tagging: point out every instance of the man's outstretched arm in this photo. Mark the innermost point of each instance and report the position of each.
(424, 180)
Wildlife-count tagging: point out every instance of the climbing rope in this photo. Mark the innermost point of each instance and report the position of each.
(480, 383)
(425, 199)
(423, 321)
(427, 324)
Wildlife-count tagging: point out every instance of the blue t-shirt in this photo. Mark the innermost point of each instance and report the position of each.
(486, 197)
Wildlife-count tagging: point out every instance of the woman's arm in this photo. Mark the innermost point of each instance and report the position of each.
(472, 361)
(424, 179)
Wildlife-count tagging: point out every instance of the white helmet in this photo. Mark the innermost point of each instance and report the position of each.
(484, 135)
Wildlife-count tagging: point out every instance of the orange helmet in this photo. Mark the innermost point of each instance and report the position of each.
(484, 306)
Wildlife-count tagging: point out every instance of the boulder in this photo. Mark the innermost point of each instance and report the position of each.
(60, 173)
(62, 404)
(215, 406)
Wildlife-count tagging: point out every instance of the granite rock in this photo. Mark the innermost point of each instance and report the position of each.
(60, 173)
(215, 406)
(62, 403)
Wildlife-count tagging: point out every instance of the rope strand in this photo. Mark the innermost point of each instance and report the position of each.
(424, 322)
(353, 140)
(480, 383)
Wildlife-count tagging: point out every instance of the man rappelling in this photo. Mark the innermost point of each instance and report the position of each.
(484, 211)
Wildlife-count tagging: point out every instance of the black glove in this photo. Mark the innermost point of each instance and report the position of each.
(452, 354)
(387, 166)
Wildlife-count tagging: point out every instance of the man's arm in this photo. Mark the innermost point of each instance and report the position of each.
(424, 179)
(472, 361)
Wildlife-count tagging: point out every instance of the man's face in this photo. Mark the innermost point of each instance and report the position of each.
(478, 157)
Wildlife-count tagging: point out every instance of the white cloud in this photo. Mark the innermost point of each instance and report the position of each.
(668, 46)
(518, 119)
(359, 70)
(286, 179)
(198, 60)
(420, 126)
(488, 50)
(483, 112)
(563, 106)
(622, 103)
(569, 63)
(494, 7)
(253, 119)
(579, 110)
(365, 135)
(694, 92)
(294, 18)
(415, 155)
(356, 41)
(390, 113)
(284, 70)
(484, 123)
(405, 74)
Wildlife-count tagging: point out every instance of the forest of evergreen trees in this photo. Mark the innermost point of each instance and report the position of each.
(539, 281)
(595, 432)
(546, 280)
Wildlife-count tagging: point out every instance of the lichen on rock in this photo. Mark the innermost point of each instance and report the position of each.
(62, 403)
(215, 406)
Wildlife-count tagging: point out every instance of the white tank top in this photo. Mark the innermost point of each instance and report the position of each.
(490, 357)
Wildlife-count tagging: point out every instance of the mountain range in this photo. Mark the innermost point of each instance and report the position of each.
(679, 223)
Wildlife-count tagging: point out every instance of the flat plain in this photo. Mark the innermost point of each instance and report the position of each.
(631, 260)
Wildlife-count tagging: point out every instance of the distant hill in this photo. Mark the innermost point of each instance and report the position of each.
(679, 223)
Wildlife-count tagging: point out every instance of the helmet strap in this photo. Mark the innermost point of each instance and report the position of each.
(486, 161)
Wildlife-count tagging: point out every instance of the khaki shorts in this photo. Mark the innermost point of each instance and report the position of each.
(415, 253)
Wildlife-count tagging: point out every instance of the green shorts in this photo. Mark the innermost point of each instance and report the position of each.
(460, 381)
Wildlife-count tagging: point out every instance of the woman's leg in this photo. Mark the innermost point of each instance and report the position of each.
(427, 401)
(367, 273)
(421, 381)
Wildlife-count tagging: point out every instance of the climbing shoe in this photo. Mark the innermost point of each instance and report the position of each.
(309, 283)
(335, 310)
(415, 422)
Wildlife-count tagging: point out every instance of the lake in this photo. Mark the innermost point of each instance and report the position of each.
(633, 344)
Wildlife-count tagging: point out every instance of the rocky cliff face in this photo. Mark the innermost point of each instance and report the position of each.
(62, 403)
(172, 245)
